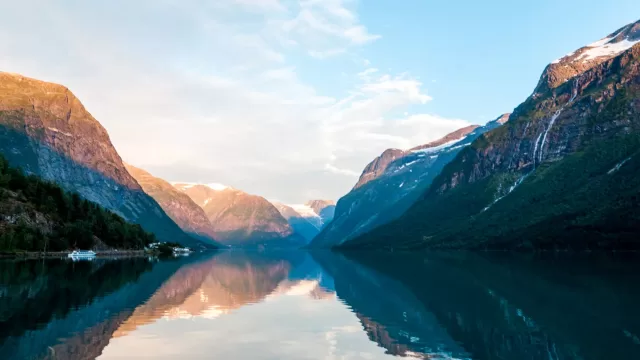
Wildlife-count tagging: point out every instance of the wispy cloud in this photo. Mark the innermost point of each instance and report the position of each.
(335, 170)
(210, 92)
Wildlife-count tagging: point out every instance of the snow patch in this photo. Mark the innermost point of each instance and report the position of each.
(217, 187)
(439, 147)
(401, 185)
(601, 48)
(405, 165)
(458, 146)
(605, 47)
(304, 210)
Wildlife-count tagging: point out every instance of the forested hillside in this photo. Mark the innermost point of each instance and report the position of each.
(37, 215)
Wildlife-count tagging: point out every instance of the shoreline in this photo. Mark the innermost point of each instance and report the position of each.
(65, 254)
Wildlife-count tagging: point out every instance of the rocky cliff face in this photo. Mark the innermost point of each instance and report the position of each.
(179, 206)
(560, 174)
(241, 219)
(394, 181)
(45, 130)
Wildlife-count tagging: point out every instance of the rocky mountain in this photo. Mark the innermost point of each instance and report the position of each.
(241, 219)
(37, 215)
(393, 181)
(46, 131)
(561, 174)
(307, 219)
(179, 206)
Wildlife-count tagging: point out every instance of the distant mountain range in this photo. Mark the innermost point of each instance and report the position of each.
(179, 206)
(241, 219)
(308, 219)
(561, 174)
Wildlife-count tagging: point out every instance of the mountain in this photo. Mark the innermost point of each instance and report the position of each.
(46, 131)
(393, 181)
(37, 215)
(241, 219)
(302, 225)
(179, 206)
(308, 219)
(325, 209)
(563, 173)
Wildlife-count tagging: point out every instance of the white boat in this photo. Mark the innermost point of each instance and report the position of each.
(181, 251)
(82, 254)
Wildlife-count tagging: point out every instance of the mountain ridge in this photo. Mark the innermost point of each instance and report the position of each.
(566, 160)
(241, 219)
(179, 206)
(392, 182)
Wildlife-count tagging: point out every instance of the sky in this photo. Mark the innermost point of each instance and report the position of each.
(290, 99)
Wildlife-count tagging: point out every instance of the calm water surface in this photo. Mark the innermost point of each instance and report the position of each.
(298, 305)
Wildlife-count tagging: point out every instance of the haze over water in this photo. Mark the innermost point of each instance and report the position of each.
(299, 305)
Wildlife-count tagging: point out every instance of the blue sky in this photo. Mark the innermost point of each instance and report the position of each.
(291, 99)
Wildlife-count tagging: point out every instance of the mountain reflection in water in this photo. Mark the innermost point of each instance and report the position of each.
(299, 305)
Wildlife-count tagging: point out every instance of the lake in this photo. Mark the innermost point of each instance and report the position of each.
(301, 305)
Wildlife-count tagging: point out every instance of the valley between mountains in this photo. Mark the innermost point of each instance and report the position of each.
(559, 172)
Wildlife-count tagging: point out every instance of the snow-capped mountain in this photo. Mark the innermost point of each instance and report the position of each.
(587, 57)
(393, 181)
(562, 174)
(307, 219)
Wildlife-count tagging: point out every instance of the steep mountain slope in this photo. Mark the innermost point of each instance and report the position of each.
(179, 206)
(241, 219)
(562, 174)
(392, 182)
(37, 215)
(45, 130)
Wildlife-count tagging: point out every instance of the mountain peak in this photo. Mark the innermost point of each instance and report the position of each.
(587, 57)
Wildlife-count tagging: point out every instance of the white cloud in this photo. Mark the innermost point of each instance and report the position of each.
(207, 91)
(366, 74)
(261, 5)
(323, 24)
(327, 53)
(335, 170)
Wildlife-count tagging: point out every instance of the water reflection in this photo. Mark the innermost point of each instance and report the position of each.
(295, 305)
(506, 306)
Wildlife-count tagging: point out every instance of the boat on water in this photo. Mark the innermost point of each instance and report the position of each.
(181, 251)
(82, 254)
